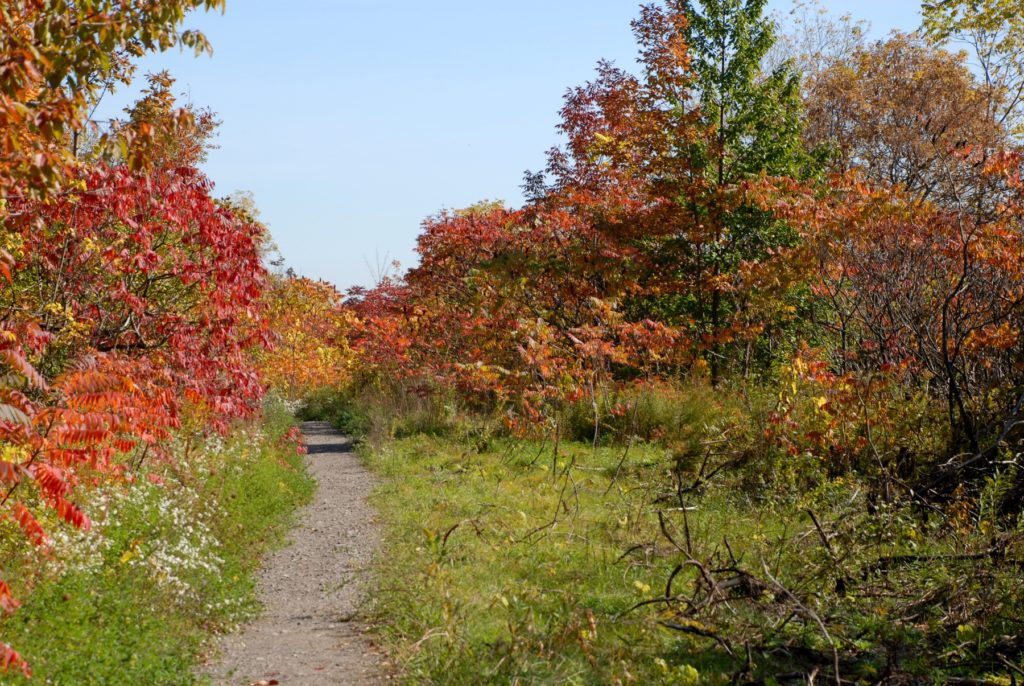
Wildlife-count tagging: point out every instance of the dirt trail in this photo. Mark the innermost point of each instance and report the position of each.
(309, 633)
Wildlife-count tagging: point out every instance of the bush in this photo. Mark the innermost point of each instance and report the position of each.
(675, 414)
(338, 407)
(376, 415)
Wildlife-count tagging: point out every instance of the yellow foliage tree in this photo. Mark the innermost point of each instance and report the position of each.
(310, 325)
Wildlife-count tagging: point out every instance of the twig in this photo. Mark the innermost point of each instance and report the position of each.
(624, 555)
(821, 533)
(664, 531)
(1012, 667)
(686, 532)
(430, 634)
(618, 467)
(642, 603)
(561, 501)
(451, 530)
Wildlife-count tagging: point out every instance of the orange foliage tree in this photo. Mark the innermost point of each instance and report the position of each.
(930, 297)
(654, 244)
(47, 88)
(684, 227)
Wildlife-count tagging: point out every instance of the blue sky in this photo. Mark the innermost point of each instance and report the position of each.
(352, 120)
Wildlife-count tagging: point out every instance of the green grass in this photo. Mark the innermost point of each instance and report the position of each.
(137, 600)
(505, 600)
(504, 566)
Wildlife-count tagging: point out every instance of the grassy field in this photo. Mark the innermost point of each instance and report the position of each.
(506, 564)
(136, 600)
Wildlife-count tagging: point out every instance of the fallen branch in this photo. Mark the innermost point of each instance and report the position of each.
(700, 631)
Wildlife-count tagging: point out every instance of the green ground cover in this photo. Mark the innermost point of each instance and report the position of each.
(505, 564)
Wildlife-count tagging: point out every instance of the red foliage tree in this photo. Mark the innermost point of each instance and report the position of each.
(131, 300)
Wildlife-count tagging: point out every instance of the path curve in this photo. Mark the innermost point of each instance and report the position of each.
(309, 634)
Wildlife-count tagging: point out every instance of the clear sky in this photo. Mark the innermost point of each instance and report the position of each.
(352, 120)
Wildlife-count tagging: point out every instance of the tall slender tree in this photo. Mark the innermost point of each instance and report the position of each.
(756, 115)
(755, 121)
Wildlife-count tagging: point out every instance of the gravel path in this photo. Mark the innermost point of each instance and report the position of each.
(309, 634)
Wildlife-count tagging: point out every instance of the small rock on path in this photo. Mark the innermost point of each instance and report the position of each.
(308, 634)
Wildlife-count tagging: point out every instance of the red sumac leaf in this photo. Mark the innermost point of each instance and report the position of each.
(70, 513)
(10, 658)
(8, 603)
(17, 360)
(33, 530)
(9, 473)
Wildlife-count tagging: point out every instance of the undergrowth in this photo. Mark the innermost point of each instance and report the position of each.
(170, 561)
(507, 563)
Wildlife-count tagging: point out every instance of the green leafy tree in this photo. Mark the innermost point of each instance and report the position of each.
(670, 168)
(757, 122)
(756, 115)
